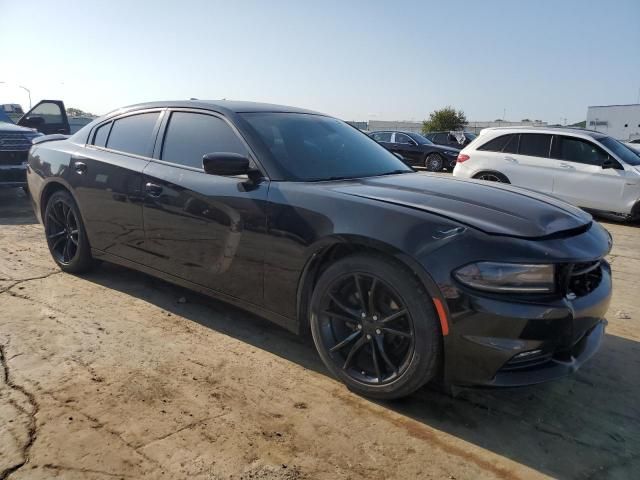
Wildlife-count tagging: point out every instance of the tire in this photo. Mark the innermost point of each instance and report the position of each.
(434, 162)
(66, 235)
(407, 347)
(492, 177)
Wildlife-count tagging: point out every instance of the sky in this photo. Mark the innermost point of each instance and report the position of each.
(357, 60)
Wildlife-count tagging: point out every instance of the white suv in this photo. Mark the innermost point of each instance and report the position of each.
(583, 167)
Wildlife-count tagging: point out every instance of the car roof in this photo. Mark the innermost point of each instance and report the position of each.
(223, 106)
(557, 130)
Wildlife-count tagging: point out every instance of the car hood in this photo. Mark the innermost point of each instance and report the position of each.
(6, 127)
(493, 208)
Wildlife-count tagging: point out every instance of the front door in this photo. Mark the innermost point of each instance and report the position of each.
(204, 228)
(48, 117)
(580, 178)
(408, 148)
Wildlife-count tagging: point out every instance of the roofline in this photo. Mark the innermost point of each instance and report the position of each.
(586, 131)
(615, 105)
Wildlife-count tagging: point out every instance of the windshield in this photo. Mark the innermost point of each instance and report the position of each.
(623, 152)
(313, 147)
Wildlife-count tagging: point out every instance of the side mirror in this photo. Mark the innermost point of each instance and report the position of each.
(225, 164)
(610, 163)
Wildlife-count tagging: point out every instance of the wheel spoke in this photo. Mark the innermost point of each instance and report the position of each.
(52, 216)
(376, 366)
(55, 235)
(374, 284)
(397, 333)
(363, 305)
(69, 216)
(394, 316)
(73, 240)
(339, 316)
(346, 341)
(57, 242)
(356, 347)
(383, 354)
(343, 307)
(65, 252)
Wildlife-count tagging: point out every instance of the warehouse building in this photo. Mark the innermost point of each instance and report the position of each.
(620, 121)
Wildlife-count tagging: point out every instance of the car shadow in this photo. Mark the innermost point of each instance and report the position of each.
(587, 425)
(15, 207)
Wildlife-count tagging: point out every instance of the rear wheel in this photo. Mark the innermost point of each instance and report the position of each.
(66, 235)
(434, 162)
(374, 327)
(492, 177)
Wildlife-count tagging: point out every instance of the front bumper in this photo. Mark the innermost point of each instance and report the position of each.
(511, 342)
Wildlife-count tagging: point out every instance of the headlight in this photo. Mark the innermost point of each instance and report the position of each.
(508, 277)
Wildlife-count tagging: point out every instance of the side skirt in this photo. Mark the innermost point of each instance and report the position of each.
(281, 320)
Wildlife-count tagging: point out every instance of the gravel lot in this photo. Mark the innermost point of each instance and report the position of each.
(112, 375)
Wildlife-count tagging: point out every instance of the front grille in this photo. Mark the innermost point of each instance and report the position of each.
(13, 158)
(580, 279)
(14, 142)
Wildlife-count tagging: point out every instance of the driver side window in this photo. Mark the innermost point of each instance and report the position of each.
(403, 139)
(577, 150)
(190, 136)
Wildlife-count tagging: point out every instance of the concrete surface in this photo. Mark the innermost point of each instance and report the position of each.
(110, 376)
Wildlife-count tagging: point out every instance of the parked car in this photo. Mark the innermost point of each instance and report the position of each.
(454, 138)
(46, 117)
(400, 277)
(583, 167)
(417, 150)
(634, 145)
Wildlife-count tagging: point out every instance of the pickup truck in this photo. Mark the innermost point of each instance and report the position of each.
(47, 117)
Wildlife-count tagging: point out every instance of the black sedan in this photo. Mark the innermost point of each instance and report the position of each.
(400, 277)
(417, 150)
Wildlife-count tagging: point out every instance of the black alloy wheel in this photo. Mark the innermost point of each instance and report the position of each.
(434, 162)
(66, 237)
(366, 330)
(492, 177)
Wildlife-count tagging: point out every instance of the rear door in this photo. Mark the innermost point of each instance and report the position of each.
(48, 117)
(531, 166)
(107, 176)
(204, 228)
(580, 178)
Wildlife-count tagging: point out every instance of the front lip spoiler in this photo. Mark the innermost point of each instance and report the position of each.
(555, 369)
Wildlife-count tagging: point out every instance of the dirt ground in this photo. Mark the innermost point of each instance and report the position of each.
(112, 375)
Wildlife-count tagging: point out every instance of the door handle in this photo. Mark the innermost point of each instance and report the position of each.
(79, 167)
(153, 190)
(511, 159)
(565, 165)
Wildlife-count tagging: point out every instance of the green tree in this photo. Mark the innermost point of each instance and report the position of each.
(445, 119)
(76, 112)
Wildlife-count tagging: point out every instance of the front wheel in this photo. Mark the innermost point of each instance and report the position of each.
(433, 162)
(66, 235)
(374, 327)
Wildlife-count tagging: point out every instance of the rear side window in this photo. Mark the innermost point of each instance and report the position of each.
(192, 135)
(440, 138)
(100, 137)
(497, 144)
(133, 134)
(382, 137)
(535, 144)
(577, 150)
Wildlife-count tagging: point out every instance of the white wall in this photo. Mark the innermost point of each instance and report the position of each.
(611, 119)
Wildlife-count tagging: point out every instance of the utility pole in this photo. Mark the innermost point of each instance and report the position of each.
(29, 92)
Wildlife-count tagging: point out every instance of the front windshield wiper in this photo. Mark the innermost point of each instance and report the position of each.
(395, 172)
